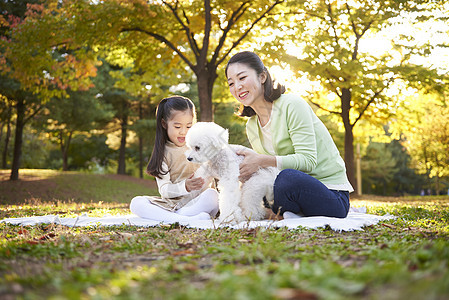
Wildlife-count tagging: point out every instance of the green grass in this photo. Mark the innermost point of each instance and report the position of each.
(57, 186)
(405, 258)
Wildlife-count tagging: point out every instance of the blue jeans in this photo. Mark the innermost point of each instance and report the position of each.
(301, 193)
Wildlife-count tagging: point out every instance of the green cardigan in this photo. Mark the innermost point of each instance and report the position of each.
(301, 140)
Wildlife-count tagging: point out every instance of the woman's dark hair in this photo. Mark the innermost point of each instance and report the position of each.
(164, 110)
(253, 61)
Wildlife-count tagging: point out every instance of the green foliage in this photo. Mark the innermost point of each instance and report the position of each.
(379, 165)
(131, 35)
(226, 117)
(386, 170)
(35, 151)
(31, 53)
(422, 122)
(89, 152)
(66, 118)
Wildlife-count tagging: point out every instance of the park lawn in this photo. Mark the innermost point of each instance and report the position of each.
(404, 258)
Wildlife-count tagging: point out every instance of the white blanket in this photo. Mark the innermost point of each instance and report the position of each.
(355, 220)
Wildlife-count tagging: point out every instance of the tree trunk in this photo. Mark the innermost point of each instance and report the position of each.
(18, 140)
(140, 157)
(349, 157)
(122, 157)
(437, 181)
(7, 138)
(437, 185)
(65, 151)
(349, 137)
(428, 169)
(205, 83)
(140, 143)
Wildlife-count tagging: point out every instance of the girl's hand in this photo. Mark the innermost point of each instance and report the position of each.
(194, 183)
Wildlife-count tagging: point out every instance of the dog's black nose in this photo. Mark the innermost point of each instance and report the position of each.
(189, 158)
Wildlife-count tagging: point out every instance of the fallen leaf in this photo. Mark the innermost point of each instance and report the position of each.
(389, 226)
(47, 237)
(32, 242)
(187, 244)
(183, 252)
(295, 294)
(125, 234)
(22, 231)
(49, 226)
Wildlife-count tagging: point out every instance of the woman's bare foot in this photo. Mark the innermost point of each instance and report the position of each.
(270, 215)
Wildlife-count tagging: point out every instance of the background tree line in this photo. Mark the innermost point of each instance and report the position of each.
(80, 79)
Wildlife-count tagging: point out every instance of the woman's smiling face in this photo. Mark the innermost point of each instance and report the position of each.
(245, 85)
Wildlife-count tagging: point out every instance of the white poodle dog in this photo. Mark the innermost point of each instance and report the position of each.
(237, 201)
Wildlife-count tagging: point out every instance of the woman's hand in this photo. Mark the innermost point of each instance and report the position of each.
(194, 183)
(253, 162)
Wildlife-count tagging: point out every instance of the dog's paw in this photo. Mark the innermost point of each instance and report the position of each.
(232, 218)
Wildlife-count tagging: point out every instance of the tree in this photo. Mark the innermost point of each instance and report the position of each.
(203, 34)
(379, 166)
(26, 107)
(6, 120)
(328, 35)
(386, 169)
(29, 82)
(423, 123)
(79, 113)
(405, 179)
(11, 91)
(198, 34)
(145, 128)
(121, 101)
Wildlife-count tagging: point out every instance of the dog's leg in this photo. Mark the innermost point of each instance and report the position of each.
(206, 173)
(229, 200)
(257, 187)
(252, 200)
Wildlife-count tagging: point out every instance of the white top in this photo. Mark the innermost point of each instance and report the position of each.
(267, 142)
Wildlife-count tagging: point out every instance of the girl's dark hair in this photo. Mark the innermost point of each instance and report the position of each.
(253, 61)
(164, 110)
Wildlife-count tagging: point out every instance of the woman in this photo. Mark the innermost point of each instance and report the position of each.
(286, 133)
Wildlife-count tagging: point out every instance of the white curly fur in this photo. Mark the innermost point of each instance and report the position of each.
(237, 201)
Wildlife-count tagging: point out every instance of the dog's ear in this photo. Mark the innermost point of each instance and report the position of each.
(225, 135)
(221, 137)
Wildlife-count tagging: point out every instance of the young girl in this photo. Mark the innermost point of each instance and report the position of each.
(183, 197)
